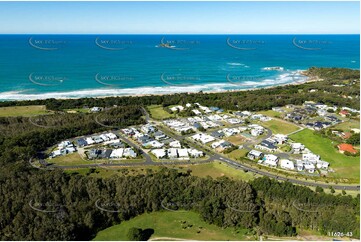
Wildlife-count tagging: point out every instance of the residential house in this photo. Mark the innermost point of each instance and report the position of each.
(89, 141)
(344, 113)
(255, 155)
(117, 153)
(217, 134)
(342, 148)
(129, 152)
(183, 153)
(270, 160)
(175, 144)
(280, 138)
(195, 153)
(287, 164)
(267, 146)
(159, 153)
(81, 142)
(297, 148)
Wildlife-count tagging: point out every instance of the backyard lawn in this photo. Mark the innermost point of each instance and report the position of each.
(171, 225)
(23, 111)
(344, 166)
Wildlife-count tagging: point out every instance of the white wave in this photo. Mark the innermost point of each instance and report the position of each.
(273, 68)
(235, 64)
(210, 87)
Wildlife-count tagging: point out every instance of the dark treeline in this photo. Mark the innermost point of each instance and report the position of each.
(21, 137)
(52, 205)
(253, 100)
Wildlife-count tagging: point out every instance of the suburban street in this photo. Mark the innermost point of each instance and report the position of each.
(213, 157)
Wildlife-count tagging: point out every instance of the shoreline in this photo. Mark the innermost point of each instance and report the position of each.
(306, 80)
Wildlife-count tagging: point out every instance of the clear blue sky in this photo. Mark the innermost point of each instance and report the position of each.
(180, 17)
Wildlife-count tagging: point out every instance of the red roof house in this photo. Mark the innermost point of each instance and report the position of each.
(346, 147)
(344, 113)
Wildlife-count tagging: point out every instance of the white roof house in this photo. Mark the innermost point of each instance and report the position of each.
(183, 153)
(56, 153)
(64, 144)
(309, 167)
(255, 154)
(175, 144)
(204, 138)
(117, 153)
(310, 157)
(216, 144)
(195, 153)
(265, 118)
(322, 164)
(111, 136)
(89, 140)
(70, 149)
(104, 137)
(95, 109)
(172, 153)
(297, 147)
(159, 153)
(234, 121)
(280, 138)
(188, 105)
(196, 112)
(256, 132)
(300, 165)
(154, 144)
(129, 152)
(287, 164)
(271, 160)
(246, 113)
(177, 108)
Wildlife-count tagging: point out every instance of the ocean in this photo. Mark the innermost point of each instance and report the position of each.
(72, 66)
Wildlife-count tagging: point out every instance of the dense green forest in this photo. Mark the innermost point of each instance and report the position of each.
(67, 206)
(40, 204)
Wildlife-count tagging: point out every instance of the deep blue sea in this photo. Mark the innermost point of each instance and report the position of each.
(70, 66)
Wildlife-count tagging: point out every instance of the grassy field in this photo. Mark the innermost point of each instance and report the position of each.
(344, 166)
(270, 113)
(157, 112)
(170, 225)
(280, 127)
(236, 154)
(236, 139)
(348, 125)
(23, 111)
